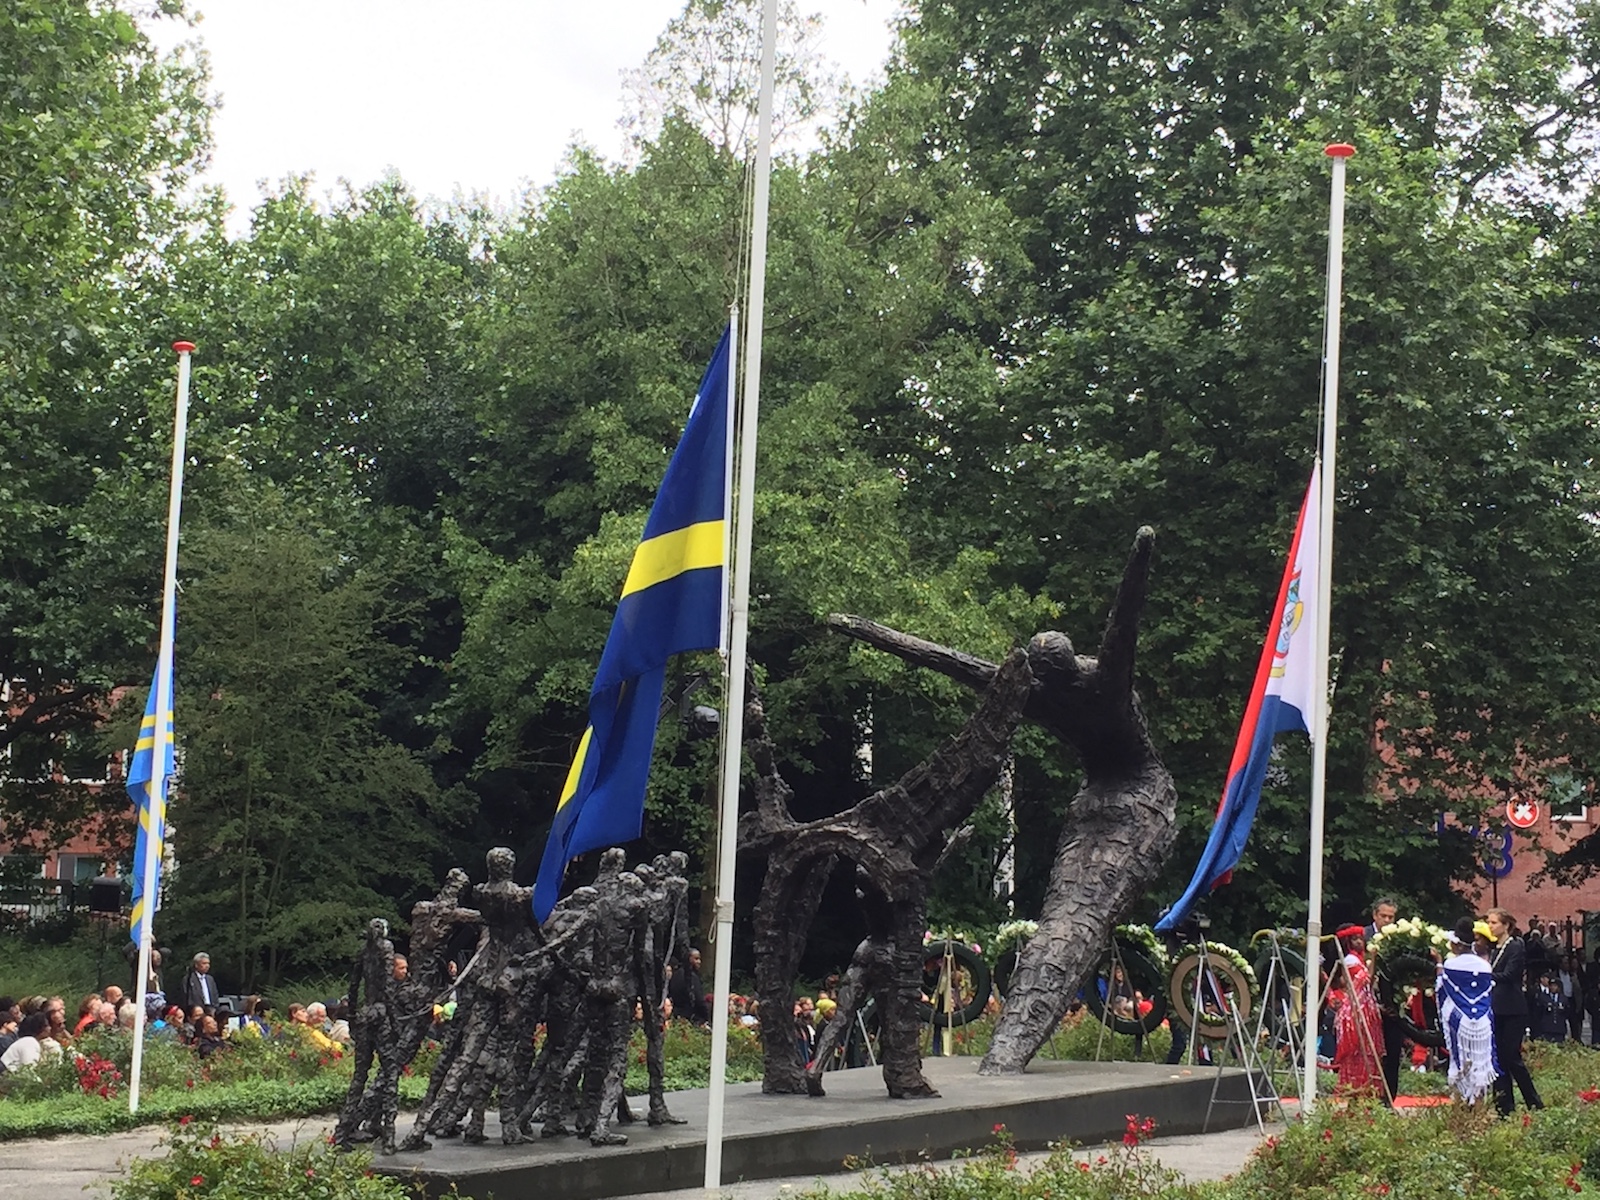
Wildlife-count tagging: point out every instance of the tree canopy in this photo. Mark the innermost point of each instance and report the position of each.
(1059, 276)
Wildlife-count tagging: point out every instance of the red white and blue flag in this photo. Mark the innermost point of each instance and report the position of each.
(1281, 700)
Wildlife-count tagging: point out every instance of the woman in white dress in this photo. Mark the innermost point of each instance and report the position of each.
(1465, 985)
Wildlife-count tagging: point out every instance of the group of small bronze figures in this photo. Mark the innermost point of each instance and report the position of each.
(605, 949)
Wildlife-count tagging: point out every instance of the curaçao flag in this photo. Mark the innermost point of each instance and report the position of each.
(147, 780)
(675, 599)
(1281, 700)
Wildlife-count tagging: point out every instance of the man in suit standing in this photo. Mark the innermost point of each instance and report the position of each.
(1384, 912)
(199, 989)
(1509, 1003)
(1591, 995)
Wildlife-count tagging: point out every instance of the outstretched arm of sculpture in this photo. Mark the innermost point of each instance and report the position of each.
(1121, 823)
(965, 668)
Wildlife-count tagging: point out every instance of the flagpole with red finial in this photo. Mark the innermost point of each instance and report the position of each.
(1339, 152)
(156, 789)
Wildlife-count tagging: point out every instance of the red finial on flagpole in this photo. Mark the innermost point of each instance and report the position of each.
(1340, 150)
(183, 347)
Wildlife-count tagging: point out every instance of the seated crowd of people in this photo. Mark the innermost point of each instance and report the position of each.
(37, 1028)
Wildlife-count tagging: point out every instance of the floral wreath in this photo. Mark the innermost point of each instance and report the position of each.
(960, 937)
(1233, 956)
(1151, 945)
(1011, 936)
(1404, 951)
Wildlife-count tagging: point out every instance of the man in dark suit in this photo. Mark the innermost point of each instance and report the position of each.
(1591, 995)
(1384, 912)
(199, 989)
(687, 993)
(1509, 1003)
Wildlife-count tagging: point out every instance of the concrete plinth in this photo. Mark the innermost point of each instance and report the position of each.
(774, 1136)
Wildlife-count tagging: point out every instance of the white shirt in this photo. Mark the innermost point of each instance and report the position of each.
(23, 1052)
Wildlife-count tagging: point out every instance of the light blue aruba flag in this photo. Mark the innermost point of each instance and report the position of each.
(147, 784)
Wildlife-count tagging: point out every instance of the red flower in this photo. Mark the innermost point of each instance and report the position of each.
(188, 1083)
(310, 1173)
(1590, 1095)
(1083, 1166)
(999, 1127)
(1527, 1119)
(185, 1119)
(197, 1181)
(1327, 1135)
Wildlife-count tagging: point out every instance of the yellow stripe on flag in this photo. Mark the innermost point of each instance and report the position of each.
(671, 554)
(570, 787)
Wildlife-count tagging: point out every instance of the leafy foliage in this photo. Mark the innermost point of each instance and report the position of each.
(1060, 275)
(200, 1161)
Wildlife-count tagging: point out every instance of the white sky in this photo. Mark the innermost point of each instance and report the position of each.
(476, 96)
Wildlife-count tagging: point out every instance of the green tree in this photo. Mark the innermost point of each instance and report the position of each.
(704, 68)
(101, 137)
(1162, 166)
(296, 819)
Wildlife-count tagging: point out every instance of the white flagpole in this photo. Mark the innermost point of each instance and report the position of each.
(1338, 152)
(155, 790)
(744, 514)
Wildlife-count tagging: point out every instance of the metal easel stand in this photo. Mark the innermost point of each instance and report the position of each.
(1118, 966)
(1277, 1030)
(1263, 1090)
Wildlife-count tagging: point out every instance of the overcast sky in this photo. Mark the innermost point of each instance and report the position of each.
(473, 95)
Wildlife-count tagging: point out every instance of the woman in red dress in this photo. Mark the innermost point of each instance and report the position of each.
(1358, 1025)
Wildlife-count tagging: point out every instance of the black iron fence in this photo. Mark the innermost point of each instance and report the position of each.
(24, 902)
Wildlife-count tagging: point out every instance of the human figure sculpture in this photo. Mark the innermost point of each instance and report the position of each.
(621, 932)
(433, 926)
(657, 937)
(471, 1066)
(870, 974)
(669, 941)
(371, 1023)
(552, 1090)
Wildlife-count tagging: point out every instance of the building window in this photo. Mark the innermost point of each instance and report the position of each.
(78, 868)
(1569, 797)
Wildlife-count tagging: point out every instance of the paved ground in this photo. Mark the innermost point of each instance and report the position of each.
(61, 1168)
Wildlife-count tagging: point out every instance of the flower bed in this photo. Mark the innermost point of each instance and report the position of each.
(1341, 1152)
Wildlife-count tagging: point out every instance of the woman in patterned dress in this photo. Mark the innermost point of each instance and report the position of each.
(1358, 1024)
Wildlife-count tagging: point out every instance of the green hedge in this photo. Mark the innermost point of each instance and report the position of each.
(267, 1079)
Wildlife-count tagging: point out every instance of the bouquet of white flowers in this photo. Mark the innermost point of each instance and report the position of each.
(1406, 952)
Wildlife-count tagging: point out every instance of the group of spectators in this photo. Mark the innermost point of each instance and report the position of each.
(197, 1014)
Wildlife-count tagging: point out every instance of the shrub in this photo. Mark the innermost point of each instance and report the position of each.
(201, 1162)
(1122, 1172)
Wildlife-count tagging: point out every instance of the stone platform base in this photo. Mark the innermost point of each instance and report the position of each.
(767, 1137)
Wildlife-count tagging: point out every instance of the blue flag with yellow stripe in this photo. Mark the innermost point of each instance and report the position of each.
(674, 600)
(147, 784)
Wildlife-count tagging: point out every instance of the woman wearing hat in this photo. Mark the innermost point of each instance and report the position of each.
(1465, 984)
(1510, 1004)
(1358, 1025)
